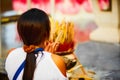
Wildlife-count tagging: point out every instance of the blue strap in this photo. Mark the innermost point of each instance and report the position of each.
(23, 64)
(19, 70)
(38, 49)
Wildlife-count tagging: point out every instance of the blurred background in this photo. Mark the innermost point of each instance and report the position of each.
(96, 30)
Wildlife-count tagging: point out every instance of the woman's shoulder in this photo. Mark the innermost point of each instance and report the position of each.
(57, 58)
(15, 50)
(15, 53)
(59, 61)
(13, 60)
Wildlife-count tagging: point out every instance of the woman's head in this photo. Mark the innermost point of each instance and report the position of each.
(33, 27)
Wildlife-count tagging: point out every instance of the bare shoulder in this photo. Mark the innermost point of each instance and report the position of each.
(59, 61)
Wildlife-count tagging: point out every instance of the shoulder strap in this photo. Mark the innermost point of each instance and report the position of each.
(19, 70)
(23, 64)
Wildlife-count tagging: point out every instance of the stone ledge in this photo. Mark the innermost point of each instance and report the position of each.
(106, 34)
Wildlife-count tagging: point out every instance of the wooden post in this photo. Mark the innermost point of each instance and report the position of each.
(52, 4)
(0, 40)
(28, 4)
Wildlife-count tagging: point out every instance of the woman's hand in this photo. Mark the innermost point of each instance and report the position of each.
(51, 47)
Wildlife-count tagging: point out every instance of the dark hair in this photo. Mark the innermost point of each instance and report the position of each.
(33, 28)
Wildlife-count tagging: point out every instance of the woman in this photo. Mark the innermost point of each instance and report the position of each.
(34, 61)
